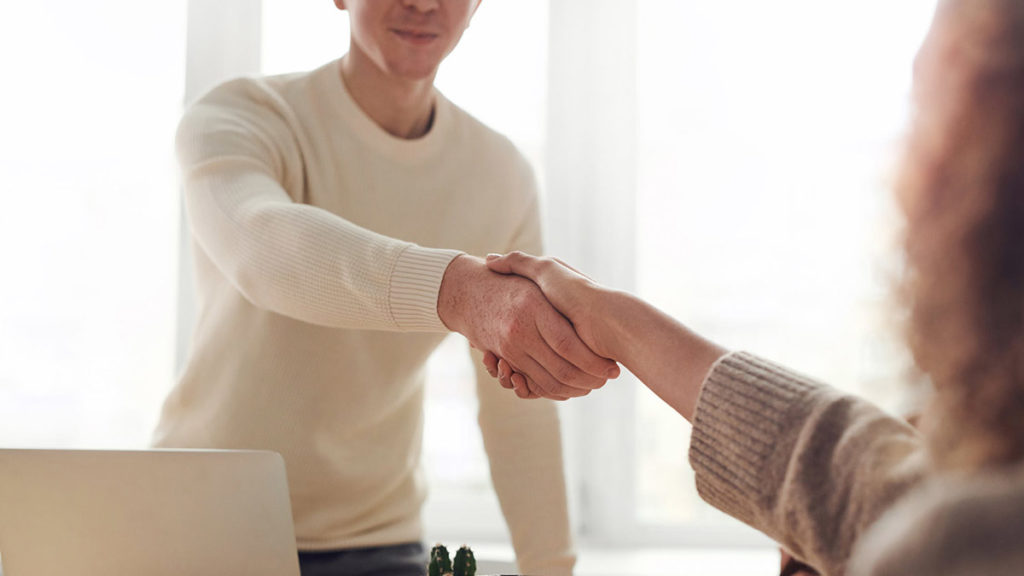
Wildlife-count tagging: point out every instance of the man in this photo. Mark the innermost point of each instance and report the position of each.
(332, 214)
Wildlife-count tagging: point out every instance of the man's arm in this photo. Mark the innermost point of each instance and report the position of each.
(509, 316)
(236, 150)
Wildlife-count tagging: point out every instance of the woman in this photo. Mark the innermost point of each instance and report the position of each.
(847, 488)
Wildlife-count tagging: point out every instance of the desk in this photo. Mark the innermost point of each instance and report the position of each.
(498, 559)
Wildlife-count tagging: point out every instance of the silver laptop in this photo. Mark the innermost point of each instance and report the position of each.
(145, 513)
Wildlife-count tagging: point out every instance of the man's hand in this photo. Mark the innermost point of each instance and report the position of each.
(571, 292)
(510, 317)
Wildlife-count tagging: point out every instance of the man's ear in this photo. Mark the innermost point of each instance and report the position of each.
(339, 4)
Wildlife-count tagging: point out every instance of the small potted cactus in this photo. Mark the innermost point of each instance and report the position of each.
(442, 565)
(465, 563)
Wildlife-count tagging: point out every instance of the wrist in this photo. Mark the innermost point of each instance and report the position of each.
(665, 355)
(622, 311)
(454, 290)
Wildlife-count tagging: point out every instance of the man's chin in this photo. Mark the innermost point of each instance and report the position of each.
(416, 73)
(415, 68)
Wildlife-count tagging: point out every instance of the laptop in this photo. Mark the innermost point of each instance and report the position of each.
(145, 513)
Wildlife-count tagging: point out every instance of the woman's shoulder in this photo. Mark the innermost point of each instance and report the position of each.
(954, 525)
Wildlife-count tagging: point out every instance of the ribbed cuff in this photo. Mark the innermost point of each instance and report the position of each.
(415, 282)
(741, 415)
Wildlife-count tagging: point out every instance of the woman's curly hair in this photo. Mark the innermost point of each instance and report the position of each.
(961, 187)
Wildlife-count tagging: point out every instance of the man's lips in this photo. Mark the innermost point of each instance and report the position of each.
(415, 36)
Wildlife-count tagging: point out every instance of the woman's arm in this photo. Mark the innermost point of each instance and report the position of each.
(809, 466)
(667, 357)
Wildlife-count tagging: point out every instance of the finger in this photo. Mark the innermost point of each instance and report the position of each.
(491, 363)
(558, 397)
(526, 366)
(524, 389)
(515, 263)
(588, 369)
(564, 372)
(521, 387)
(505, 374)
(543, 383)
(531, 390)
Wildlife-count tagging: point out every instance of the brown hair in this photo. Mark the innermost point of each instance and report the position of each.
(962, 190)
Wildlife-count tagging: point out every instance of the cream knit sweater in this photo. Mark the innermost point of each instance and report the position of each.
(320, 242)
(844, 486)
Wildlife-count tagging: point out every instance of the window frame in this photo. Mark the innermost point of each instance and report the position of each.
(222, 41)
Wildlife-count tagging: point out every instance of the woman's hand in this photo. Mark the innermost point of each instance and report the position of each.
(665, 355)
(573, 294)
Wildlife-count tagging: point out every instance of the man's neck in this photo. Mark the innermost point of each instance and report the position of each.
(403, 108)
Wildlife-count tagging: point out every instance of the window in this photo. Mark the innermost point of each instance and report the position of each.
(766, 136)
(727, 159)
(88, 233)
(740, 183)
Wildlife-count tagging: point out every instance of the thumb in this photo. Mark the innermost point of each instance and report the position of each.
(500, 263)
(513, 263)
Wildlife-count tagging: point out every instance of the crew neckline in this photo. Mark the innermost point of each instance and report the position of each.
(398, 149)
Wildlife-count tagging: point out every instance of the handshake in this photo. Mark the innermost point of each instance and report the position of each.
(537, 320)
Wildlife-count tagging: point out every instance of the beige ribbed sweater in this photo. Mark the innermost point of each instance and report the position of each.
(821, 472)
(320, 242)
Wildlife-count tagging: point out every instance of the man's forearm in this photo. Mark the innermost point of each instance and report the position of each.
(306, 263)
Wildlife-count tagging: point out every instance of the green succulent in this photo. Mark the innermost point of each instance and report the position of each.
(440, 562)
(465, 563)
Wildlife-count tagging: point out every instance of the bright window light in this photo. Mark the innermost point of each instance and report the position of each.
(767, 136)
(88, 233)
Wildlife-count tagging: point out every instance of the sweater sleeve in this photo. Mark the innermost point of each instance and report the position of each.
(236, 151)
(807, 465)
(523, 442)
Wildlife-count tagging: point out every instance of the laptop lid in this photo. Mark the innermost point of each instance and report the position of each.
(153, 512)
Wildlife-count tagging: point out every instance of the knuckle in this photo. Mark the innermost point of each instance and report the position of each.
(527, 390)
(562, 343)
(514, 319)
(508, 334)
(525, 299)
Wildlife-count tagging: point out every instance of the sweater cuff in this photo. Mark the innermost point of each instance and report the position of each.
(741, 413)
(415, 283)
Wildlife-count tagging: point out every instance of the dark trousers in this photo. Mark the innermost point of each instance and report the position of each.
(399, 560)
